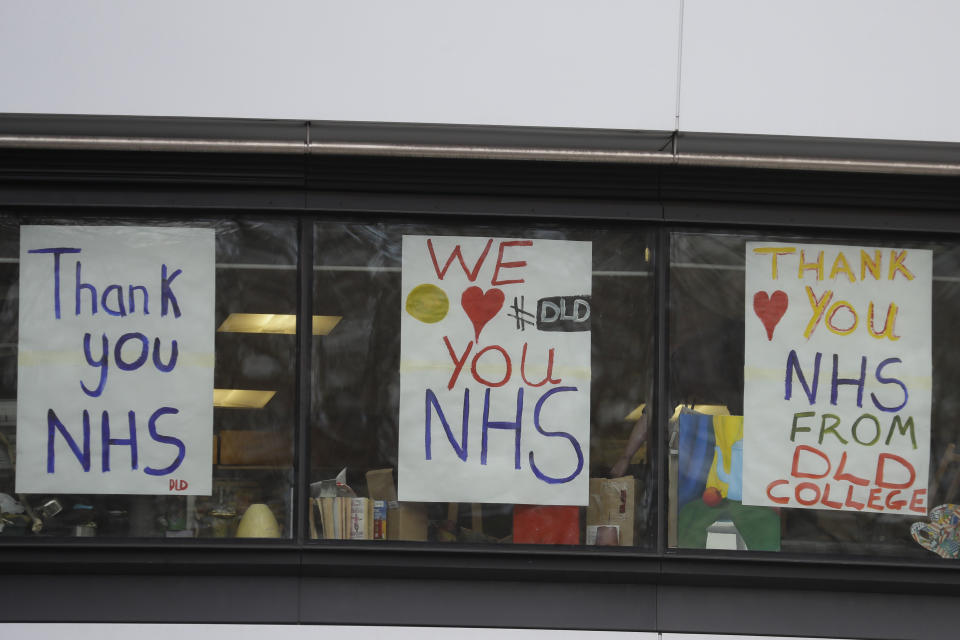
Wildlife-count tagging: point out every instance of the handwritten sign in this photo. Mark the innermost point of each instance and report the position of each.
(495, 370)
(115, 377)
(837, 377)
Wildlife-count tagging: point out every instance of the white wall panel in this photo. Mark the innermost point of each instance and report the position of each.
(605, 63)
(846, 68)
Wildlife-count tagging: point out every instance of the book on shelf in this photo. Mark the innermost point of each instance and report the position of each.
(379, 519)
(346, 518)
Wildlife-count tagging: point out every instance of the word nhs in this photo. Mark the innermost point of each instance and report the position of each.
(114, 299)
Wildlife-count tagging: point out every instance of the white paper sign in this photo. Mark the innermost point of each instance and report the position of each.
(495, 370)
(837, 377)
(116, 355)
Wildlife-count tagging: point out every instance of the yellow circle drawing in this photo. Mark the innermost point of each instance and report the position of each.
(428, 303)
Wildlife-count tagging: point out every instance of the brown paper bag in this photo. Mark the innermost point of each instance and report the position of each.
(613, 503)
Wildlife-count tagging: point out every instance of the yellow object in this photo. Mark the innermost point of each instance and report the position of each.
(428, 303)
(726, 430)
(636, 413)
(258, 522)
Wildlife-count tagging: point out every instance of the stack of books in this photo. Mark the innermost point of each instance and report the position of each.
(347, 518)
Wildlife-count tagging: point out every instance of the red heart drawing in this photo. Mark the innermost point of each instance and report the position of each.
(770, 309)
(481, 307)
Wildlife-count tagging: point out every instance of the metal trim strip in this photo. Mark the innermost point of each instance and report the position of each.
(479, 152)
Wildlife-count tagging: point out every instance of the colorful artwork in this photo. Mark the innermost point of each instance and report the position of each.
(115, 377)
(495, 370)
(837, 377)
(710, 465)
(942, 533)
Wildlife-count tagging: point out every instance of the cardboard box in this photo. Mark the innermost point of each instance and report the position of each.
(255, 448)
(380, 485)
(405, 520)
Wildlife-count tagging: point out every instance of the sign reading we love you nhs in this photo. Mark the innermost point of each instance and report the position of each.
(837, 377)
(495, 370)
(116, 356)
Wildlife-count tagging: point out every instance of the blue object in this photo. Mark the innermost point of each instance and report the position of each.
(734, 479)
(696, 447)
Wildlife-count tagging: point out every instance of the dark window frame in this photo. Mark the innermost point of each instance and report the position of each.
(411, 583)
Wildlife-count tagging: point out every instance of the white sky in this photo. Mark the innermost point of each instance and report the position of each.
(532, 62)
(848, 68)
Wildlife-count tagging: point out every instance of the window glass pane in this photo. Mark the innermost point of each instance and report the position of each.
(382, 369)
(252, 270)
(814, 402)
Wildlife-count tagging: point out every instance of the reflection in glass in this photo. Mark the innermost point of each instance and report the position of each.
(253, 452)
(356, 383)
(706, 363)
